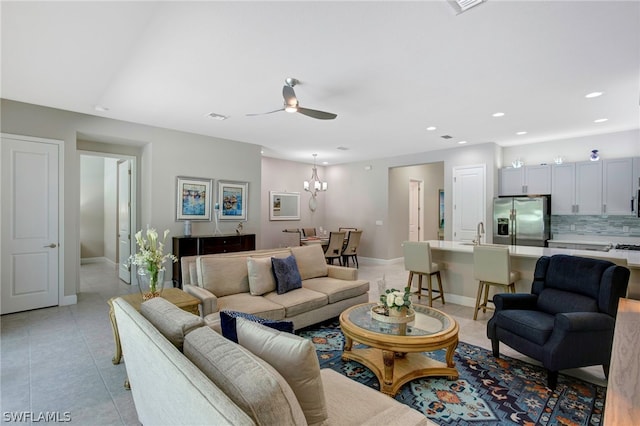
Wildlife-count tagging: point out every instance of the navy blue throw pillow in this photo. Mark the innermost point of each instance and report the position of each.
(228, 324)
(286, 273)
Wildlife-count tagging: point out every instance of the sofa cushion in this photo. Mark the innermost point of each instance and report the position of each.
(336, 289)
(298, 301)
(261, 279)
(311, 261)
(171, 321)
(554, 301)
(257, 305)
(256, 387)
(292, 356)
(223, 275)
(286, 273)
(534, 326)
(228, 323)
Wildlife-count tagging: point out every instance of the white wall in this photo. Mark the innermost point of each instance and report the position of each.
(92, 207)
(110, 230)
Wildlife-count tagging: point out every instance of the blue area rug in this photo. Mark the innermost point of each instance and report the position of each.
(489, 391)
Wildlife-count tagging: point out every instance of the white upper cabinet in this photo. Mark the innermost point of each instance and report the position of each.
(589, 187)
(525, 180)
(577, 188)
(563, 189)
(617, 189)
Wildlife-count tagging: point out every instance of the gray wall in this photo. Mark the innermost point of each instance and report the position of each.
(165, 155)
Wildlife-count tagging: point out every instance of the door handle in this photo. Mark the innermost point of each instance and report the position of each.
(52, 245)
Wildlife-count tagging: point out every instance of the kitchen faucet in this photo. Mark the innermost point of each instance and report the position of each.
(479, 232)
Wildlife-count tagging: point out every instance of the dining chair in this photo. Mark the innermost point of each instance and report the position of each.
(417, 260)
(350, 249)
(347, 230)
(292, 238)
(308, 232)
(334, 248)
(492, 267)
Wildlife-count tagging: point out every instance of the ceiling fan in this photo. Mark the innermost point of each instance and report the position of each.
(291, 103)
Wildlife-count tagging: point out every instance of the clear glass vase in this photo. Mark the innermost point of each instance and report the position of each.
(150, 284)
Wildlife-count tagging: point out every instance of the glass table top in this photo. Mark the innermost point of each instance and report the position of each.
(428, 321)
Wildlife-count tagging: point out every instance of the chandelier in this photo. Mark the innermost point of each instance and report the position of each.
(314, 185)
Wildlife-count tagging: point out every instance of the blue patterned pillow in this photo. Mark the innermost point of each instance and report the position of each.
(287, 274)
(228, 323)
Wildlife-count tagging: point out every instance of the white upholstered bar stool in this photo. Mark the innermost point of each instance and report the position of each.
(417, 260)
(492, 267)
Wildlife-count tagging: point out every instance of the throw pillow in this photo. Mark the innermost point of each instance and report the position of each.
(294, 358)
(251, 383)
(261, 279)
(171, 321)
(287, 274)
(228, 323)
(311, 261)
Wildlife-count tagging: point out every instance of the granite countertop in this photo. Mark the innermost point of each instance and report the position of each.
(628, 257)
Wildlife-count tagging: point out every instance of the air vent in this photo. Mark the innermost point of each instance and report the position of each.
(343, 148)
(215, 116)
(446, 137)
(463, 5)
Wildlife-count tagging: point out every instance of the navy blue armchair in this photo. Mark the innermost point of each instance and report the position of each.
(568, 319)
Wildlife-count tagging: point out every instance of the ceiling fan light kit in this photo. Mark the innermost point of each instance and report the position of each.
(292, 105)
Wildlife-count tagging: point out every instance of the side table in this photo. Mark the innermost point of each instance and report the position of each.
(176, 296)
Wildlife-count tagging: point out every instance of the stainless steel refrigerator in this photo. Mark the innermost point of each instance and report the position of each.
(522, 220)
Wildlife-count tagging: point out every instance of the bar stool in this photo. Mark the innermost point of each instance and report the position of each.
(492, 267)
(417, 260)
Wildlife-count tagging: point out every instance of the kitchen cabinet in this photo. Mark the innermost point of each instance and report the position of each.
(526, 180)
(576, 188)
(208, 244)
(617, 189)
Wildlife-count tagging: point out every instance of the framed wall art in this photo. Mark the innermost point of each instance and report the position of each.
(193, 198)
(284, 205)
(233, 200)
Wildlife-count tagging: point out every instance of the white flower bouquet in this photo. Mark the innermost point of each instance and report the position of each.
(396, 299)
(150, 257)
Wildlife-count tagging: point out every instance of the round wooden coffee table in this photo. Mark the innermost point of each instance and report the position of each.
(394, 351)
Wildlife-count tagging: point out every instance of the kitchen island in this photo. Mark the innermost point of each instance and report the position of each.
(456, 260)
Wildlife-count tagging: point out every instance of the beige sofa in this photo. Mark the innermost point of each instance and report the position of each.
(244, 281)
(218, 382)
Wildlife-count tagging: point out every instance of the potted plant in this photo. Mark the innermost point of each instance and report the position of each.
(150, 260)
(397, 302)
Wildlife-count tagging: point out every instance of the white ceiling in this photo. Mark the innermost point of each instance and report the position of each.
(388, 69)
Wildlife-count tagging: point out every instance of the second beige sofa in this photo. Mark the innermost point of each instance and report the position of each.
(244, 282)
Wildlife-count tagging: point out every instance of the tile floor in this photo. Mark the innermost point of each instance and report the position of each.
(58, 360)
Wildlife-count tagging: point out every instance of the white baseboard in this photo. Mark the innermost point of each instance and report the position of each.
(460, 300)
(88, 260)
(375, 261)
(69, 300)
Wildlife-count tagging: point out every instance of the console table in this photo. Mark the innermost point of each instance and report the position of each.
(208, 244)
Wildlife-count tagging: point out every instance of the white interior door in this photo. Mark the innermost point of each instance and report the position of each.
(415, 210)
(124, 220)
(30, 235)
(469, 206)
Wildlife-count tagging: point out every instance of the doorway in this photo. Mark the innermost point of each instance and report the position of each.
(469, 201)
(107, 210)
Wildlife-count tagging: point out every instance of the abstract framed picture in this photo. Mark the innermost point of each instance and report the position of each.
(233, 200)
(193, 198)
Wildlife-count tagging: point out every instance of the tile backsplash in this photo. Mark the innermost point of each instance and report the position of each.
(615, 226)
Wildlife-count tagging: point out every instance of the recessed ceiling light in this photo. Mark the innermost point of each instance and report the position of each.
(430, 128)
(462, 142)
(593, 95)
(218, 117)
(521, 133)
(498, 114)
(325, 163)
(600, 120)
(100, 108)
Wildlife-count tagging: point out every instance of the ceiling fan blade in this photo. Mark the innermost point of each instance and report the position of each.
(289, 96)
(263, 113)
(321, 115)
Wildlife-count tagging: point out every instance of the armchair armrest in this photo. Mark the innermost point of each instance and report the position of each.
(524, 301)
(208, 301)
(342, 273)
(583, 321)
